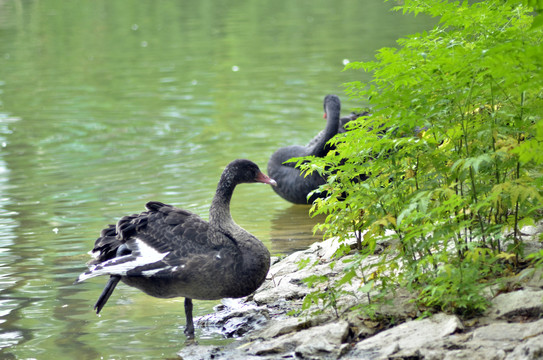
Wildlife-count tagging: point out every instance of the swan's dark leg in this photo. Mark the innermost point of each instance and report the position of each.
(106, 293)
(189, 329)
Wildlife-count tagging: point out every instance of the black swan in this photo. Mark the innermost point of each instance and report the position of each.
(167, 252)
(291, 184)
(341, 127)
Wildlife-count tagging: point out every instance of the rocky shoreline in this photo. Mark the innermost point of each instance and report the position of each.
(511, 329)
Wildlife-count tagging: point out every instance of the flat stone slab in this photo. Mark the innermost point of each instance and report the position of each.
(317, 342)
(410, 336)
(526, 302)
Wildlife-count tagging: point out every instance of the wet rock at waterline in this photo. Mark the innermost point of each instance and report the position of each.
(234, 318)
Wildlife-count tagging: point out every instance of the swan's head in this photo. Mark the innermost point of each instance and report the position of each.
(331, 104)
(245, 171)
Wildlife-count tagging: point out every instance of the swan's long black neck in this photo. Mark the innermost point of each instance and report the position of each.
(332, 109)
(219, 212)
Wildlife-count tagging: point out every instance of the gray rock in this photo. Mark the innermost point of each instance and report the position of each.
(285, 278)
(195, 351)
(534, 230)
(407, 338)
(524, 303)
(287, 288)
(498, 341)
(531, 349)
(318, 342)
(282, 326)
(210, 352)
(508, 332)
(531, 277)
(432, 339)
(234, 318)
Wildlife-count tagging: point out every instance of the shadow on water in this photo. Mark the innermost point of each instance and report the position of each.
(292, 229)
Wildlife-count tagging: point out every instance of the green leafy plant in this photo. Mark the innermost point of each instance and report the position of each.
(457, 287)
(449, 164)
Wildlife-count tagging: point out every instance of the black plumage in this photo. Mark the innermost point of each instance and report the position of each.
(169, 252)
(343, 121)
(291, 184)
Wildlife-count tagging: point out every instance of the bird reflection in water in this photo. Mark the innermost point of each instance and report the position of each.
(292, 229)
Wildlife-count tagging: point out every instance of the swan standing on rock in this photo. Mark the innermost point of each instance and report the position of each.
(167, 252)
(291, 184)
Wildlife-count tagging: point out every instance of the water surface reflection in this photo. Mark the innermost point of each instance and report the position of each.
(292, 229)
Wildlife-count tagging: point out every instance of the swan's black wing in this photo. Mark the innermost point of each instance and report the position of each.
(156, 241)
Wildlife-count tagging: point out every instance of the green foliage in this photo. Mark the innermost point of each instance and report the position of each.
(457, 287)
(536, 258)
(453, 152)
(324, 298)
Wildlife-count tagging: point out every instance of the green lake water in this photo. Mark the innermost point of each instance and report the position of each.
(108, 104)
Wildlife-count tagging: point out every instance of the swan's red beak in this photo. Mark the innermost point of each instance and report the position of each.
(263, 178)
(324, 116)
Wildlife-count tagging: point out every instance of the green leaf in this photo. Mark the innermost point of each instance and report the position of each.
(367, 286)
